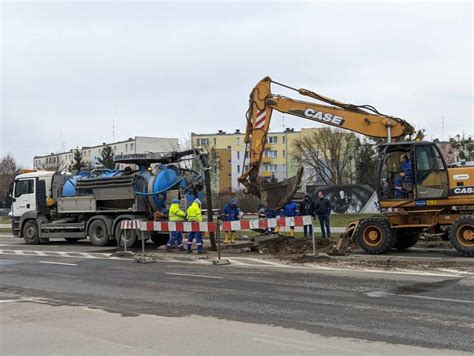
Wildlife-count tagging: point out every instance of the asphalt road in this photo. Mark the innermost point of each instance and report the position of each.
(75, 299)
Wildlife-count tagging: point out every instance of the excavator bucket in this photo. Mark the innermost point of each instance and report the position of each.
(275, 195)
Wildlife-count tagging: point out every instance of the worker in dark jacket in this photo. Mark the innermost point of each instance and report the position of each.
(290, 209)
(231, 212)
(323, 210)
(307, 207)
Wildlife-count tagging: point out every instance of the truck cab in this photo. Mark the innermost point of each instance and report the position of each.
(29, 197)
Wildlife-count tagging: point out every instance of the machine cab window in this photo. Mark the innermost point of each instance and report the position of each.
(431, 174)
(412, 171)
(396, 174)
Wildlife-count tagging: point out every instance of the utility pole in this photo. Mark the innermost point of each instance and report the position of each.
(207, 179)
(113, 130)
(442, 126)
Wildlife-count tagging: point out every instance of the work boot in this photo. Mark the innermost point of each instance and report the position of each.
(181, 249)
(189, 251)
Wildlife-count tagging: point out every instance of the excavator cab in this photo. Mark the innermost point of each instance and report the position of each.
(411, 171)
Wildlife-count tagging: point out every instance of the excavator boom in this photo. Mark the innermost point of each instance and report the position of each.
(363, 119)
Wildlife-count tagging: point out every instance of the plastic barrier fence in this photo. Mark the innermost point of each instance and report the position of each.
(239, 225)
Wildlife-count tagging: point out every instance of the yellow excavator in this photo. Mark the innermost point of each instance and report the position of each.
(434, 197)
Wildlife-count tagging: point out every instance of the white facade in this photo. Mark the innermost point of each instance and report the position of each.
(139, 144)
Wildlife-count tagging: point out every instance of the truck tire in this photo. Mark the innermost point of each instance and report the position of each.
(97, 232)
(31, 233)
(374, 235)
(406, 239)
(130, 236)
(461, 235)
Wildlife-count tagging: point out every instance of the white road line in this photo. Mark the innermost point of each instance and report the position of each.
(378, 294)
(276, 264)
(193, 275)
(284, 344)
(238, 263)
(58, 263)
(87, 255)
(19, 252)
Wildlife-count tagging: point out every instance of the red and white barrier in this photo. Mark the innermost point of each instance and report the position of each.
(184, 226)
(130, 224)
(266, 223)
(239, 225)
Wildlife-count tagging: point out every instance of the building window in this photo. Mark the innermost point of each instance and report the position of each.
(126, 147)
(272, 139)
(238, 141)
(229, 161)
(246, 167)
(229, 175)
(284, 153)
(283, 167)
(247, 154)
(270, 153)
(215, 141)
(131, 147)
(238, 168)
(202, 142)
(238, 154)
(229, 147)
(283, 138)
(270, 167)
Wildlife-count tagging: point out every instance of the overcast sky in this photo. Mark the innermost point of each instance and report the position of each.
(169, 69)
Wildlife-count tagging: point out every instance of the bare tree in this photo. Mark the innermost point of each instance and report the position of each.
(327, 155)
(8, 170)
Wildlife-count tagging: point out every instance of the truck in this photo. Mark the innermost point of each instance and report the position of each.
(93, 203)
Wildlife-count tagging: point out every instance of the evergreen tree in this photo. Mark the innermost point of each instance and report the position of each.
(107, 157)
(77, 163)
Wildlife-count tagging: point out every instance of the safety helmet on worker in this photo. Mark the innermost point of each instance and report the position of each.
(175, 201)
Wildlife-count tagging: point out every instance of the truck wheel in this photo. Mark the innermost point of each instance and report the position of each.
(374, 235)
(98, 233)
(406, 239)
(31, 233)
(129, 237)
(461, 235)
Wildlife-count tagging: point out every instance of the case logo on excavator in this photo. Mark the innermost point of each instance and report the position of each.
(462, 190)
(324, 117)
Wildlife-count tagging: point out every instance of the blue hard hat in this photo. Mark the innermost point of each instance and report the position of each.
(175, 201)
(233, 201)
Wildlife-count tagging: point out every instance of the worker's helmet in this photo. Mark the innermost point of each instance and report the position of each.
(175, 201)
(233, 202)
(197, 201)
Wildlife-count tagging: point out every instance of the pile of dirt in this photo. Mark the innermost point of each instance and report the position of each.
(284, 246)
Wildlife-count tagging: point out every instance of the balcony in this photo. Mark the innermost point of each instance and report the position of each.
(266, 159)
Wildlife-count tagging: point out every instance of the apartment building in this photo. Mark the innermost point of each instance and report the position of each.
(90, 154)
(277, 161)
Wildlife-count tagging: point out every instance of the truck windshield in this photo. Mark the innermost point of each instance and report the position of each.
(25, 186)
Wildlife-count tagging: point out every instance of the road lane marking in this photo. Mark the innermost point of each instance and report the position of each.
(193, 275)
(379, 294)
(58, 263)
(283, 344)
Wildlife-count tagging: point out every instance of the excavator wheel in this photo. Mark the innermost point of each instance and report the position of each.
(406, 238)
(374, 235)
(461, 235)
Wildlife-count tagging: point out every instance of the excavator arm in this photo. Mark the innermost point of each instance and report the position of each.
(363, 119)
